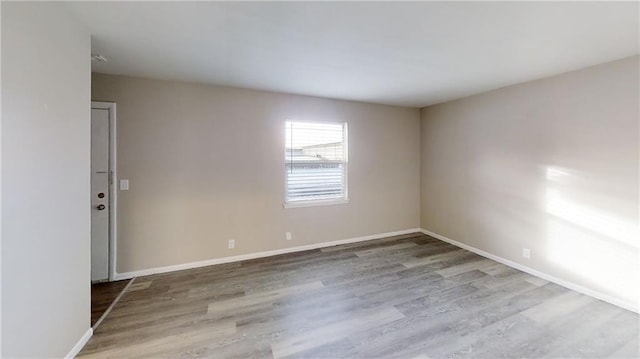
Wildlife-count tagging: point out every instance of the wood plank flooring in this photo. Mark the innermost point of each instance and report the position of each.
(408, 296)
(102, 295)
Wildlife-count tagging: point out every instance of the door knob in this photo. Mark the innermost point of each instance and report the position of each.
(100, 207)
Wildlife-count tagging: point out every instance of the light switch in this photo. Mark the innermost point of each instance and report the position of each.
(124, 184)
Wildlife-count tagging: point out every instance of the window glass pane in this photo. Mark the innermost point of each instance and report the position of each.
(315, 158)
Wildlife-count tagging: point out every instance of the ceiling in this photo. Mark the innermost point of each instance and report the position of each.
(399, 53)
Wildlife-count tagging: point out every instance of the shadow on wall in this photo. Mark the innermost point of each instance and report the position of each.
(596, 244)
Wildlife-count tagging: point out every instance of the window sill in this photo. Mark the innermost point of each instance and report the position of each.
(326, 202)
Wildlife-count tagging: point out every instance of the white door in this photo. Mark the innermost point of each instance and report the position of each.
(100, 201)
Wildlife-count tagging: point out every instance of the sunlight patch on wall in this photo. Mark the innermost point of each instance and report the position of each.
(588, 256)
(557, 174)
(592, 219)
(594, 244)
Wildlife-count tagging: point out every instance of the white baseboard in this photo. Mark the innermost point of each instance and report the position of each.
(80, 344)
(567, 284)
(209, 262)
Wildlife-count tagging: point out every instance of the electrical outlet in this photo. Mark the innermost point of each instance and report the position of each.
(526, 253)
(288, 235)
(232, 243)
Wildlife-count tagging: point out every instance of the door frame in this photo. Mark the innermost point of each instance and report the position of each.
(113, 179)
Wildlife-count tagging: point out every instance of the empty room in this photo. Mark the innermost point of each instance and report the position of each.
(320, 179)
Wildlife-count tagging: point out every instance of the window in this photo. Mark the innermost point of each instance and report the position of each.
(316, 163)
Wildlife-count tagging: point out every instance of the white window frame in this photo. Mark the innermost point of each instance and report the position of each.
(345, 179)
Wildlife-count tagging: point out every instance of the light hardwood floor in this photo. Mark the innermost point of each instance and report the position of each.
(409, 296)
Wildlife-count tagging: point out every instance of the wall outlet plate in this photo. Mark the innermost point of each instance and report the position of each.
(526, 253)
(232, 243)
(288, 235)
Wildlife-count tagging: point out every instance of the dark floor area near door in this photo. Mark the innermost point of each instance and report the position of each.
(102, 295)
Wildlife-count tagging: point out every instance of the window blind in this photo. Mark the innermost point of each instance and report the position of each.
(316, 161)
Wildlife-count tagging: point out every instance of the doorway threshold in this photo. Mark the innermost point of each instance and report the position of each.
(104, 297)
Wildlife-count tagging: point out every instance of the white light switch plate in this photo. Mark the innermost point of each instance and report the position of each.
(124, 184)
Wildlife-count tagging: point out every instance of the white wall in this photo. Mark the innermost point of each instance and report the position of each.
(45, 180)
(551, 165)
(206, 164)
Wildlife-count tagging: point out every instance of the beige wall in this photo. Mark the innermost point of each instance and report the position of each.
(550, 165)
(45, 180)
(206, 164)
